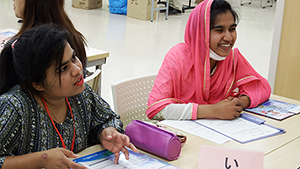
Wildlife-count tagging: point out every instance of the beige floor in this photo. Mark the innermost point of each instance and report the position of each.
(138, 47)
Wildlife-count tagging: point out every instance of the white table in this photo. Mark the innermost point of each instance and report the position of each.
(281, 151)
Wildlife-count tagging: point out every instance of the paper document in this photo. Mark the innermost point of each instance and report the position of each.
(105, 159)
(244, 129)
(240, 129)
(196, 129)
(4, 37)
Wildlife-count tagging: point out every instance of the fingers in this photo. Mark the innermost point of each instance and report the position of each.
(126, 142)
(132, 147)
(70, 163)
(59, 158)
(238, 106)
(125, 152)
(69, 153)
(117, 154)
(237, 114)
(124, 139)
(116, 142)
(230, 98)
(238, 109)
(73, 165)
(238, 102)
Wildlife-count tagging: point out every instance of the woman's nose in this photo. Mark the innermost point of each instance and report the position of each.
(77, 69)
(227, 36)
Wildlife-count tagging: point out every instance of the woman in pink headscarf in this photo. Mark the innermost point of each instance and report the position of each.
(204, 77)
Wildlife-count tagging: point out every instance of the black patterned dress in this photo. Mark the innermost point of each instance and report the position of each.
(25, 127)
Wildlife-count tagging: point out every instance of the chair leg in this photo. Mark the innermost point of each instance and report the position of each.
(249, 2)
(268, 3)
(152, 8)
(167, 9)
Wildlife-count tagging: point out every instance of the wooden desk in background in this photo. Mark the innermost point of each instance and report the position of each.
(95, 57)
(281, 151)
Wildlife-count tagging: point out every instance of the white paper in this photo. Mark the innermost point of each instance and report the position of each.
(105, 160)
(196, 129)
(239, 129)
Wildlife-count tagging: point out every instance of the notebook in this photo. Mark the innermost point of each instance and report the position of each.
(275, 109)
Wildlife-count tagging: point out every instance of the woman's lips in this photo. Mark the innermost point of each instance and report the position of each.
(79, 81)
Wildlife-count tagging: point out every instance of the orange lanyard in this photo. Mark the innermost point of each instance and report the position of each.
(62, 141)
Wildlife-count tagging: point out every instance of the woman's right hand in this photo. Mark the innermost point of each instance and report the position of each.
(225, 109)
(59, 158)
(56, 158)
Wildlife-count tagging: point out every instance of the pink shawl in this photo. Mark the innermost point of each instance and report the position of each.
(184, 76)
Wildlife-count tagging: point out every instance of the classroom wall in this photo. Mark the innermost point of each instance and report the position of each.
(287, 79)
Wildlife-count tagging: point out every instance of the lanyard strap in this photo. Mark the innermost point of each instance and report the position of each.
(62, 141)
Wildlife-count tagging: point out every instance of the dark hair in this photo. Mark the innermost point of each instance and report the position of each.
(28, 58)
(220, 7)
(38, 12)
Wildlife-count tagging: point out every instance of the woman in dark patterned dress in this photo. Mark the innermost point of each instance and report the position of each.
(47, 113)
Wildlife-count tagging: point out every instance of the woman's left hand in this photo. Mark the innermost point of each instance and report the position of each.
(115, 142)
(245, 100)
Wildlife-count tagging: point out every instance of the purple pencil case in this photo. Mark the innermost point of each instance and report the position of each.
(154, 139)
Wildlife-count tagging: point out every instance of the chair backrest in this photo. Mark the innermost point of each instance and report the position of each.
(93, 80)
(131, 97)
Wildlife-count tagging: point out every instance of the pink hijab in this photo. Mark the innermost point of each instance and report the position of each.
(184, 76)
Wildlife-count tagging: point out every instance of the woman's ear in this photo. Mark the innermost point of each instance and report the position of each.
(38, 86)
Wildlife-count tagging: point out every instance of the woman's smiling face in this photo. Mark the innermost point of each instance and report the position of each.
(223, 34)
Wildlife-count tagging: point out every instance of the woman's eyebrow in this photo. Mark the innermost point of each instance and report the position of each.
(63, 64)
(233, 25)
(220, 26)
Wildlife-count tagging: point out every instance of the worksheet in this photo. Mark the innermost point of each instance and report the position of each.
(105, 159)
(196, 129)
(243, 129)
(240, 129)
